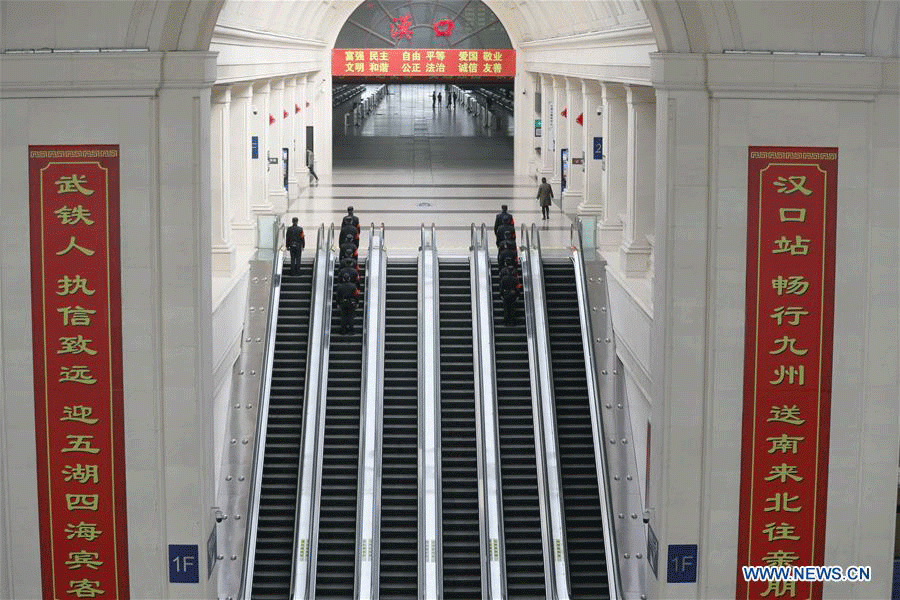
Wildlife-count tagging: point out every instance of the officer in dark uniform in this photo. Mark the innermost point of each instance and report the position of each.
(510, 289)
(348, 250)
(503, 218)
(347, 297)
(507, 252)
(296, 242)
(349, 236)
(348, 268)
(506, 233)
(351, 218)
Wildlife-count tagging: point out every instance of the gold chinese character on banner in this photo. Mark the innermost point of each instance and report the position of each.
(75, 345)
(77, 316)
(784, 531)
(78, 413)
(83, 531)
(780, 558)
(74, 246)
(785, 414)
(68, 286)
(788, 344)
(80, 443)
(81, 473)
(783, 472)
(799, 246)
(784, 443)
(73, 216)
(792, 375)
(792, 215)
(793, 284)
(796, 183)
(794, 312)
(85, 588)
(84, 559)
(76, 374)
(75, 183)
(781, 502)
(82, 501)
(780, 588)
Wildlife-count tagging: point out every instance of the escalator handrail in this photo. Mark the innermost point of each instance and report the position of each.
(546, 411)
(262, 416)
(430, 540)
(309, 487)
(614, 575)
(493, 551)
(368, 500)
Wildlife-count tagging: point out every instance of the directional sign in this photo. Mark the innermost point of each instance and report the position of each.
(598, 148)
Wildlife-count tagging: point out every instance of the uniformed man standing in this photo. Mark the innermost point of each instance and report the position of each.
(296, 242)
(351, 219)
(510, 289)
(347, 297)
(503, 218)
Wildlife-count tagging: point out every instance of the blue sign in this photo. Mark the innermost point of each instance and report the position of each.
(598, 148)
(184, 563)
(254, 146)
(682, 563)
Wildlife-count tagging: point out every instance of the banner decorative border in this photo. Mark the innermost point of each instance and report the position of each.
(791, 227)
(78, 389)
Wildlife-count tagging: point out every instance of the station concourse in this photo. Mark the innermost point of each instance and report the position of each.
(670, 402)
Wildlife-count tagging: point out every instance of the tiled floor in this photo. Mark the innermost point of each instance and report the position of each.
(410, 164)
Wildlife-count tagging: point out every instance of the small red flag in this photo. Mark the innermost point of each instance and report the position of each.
(285, 114)
(565, 113)
(580, 119)
(296, 108)
(271, 119)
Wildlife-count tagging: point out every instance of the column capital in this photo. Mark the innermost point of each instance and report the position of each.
(640, 94)
(221, 94)
(612, 90)
(261, 88)
(277, 84)
(242, 91)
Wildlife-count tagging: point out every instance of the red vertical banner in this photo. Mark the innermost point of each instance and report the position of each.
(77, 339)
(791, 221)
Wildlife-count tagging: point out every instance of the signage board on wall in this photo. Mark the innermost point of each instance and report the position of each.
(791, 222)
(77, 347)
(424, 63)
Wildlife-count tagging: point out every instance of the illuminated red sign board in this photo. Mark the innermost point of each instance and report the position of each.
(787, 364)
(423, 63)
(76, 335)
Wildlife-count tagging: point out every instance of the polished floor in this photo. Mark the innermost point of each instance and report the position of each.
(410, 164)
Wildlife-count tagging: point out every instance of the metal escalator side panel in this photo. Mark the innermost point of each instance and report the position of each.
(609, 538)
(262, 424)
(430, 546)
(546, 412)
(493, 558)
(309, 490)
(368, 503)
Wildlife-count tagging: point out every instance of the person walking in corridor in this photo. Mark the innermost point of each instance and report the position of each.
(545, 195)
(311, 164)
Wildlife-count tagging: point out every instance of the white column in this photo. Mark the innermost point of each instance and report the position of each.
(591, 203)
(560, 103)
(220, 180)
(289, 135)
(640, 185)
(574, 134)
(614, 177)
(548, 126)
(259, 197)
(274, 174)
(243, 225)
(300, 133)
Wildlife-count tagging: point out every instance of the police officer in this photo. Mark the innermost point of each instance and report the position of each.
(347, 297)
(348, 268)
(503, 218)
(506, 233)
(349, 233)
(510, 288)
(508, 253)
(296, 242)
(351, 218)
(348, 250)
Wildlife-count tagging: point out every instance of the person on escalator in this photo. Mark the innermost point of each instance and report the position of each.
(349, 232)
(295, 242)
(351, 218)
(507, 253)
(510, 289)
(506, 233)
(348, 268)
(347, 297)
(348, 250)
(503, 218)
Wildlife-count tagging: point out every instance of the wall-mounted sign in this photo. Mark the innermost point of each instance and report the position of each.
(373, 63)
(598, 148)
(77, 346)
(254, 146)
(184, 563)
(682, 567)
(537, 128)
(791, 217)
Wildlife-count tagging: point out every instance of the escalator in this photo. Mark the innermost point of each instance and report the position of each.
(518, 467)
(581, 493)
(336, 559)
(398, 571)
(278, 495)
(459, 467)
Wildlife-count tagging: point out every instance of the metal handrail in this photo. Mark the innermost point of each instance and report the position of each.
(606, 507)
(262, 416)
(547, 413)
(371, 426)
(430, 535)
(310, 473)
(493, 551)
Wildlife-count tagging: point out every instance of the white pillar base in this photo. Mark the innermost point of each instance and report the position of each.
(243, 234)
(223, 259)
(635, 259)
(609, 235)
